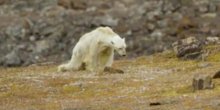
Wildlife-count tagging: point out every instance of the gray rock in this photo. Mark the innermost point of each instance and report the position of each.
(177, 16)
(44, 45)
(171, 5)
(105, 20)
(163, 23)
(189, 48)
(201, 82)
(157, 35)
(212, 7)
(12, 59)
(32, 38)
(203, 8)
(153, 15)
(209, 15)
(151, 26)
(15, 31)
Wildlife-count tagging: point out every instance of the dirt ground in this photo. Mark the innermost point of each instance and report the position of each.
(157, 82)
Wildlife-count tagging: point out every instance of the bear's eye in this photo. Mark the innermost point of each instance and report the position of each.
(120, 48)
(112, 42)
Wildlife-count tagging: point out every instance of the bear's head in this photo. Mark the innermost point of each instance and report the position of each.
(119, 45)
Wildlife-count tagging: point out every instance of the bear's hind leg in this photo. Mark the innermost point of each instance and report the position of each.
(74, 64)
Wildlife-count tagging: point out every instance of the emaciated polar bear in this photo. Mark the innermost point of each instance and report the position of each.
(95, 50)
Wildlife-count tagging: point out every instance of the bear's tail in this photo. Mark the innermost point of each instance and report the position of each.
(64, 67)
(74, 64)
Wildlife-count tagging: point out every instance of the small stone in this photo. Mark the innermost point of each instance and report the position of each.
(177, 16)
(151, 26)
(72, 4)
(91, 9)
(157, 35)
(14, 31)
(186, 23)
(153, 15)
(44, 45)
(64, 3)
(113, 70)
(105, 20)
(32, 38)
(203, 9)
(155, 103)
(216, 75)
(209, 15)
(201, 82)
(215, 32)
(129, 32)
(163, 23)
(77, 84)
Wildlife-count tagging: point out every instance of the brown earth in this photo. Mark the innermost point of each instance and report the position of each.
(157, 82)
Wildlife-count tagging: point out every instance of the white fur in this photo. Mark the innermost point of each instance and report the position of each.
(96, 50)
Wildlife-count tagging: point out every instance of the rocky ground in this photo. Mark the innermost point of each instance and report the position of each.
(37, 30)
(156, 82)
(40, 34)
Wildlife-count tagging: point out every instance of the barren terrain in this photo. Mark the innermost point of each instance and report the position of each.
(157, 82)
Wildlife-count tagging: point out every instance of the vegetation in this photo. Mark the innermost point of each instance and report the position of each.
(160, 78)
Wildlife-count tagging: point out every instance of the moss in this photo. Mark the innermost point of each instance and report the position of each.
(58, 82)
(71, 89)
(86, 94)
(216, 85)
(214, 57)
(213, 53)
(169, 93)
(185, 90)
(25, 91)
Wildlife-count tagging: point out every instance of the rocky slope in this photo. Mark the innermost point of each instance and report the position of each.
(33, 31)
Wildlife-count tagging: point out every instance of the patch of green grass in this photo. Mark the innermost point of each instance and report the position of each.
(214, 58)
(58, 82)
(185, 90)
(24, 91)
(68, 89)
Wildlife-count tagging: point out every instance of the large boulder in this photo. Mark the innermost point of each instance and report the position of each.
(189, 48)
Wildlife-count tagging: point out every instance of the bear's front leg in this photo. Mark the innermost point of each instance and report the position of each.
(91, 62)
(96, 64)
(103, 61)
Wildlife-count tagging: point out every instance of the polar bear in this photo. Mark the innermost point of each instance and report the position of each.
(95, 50)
